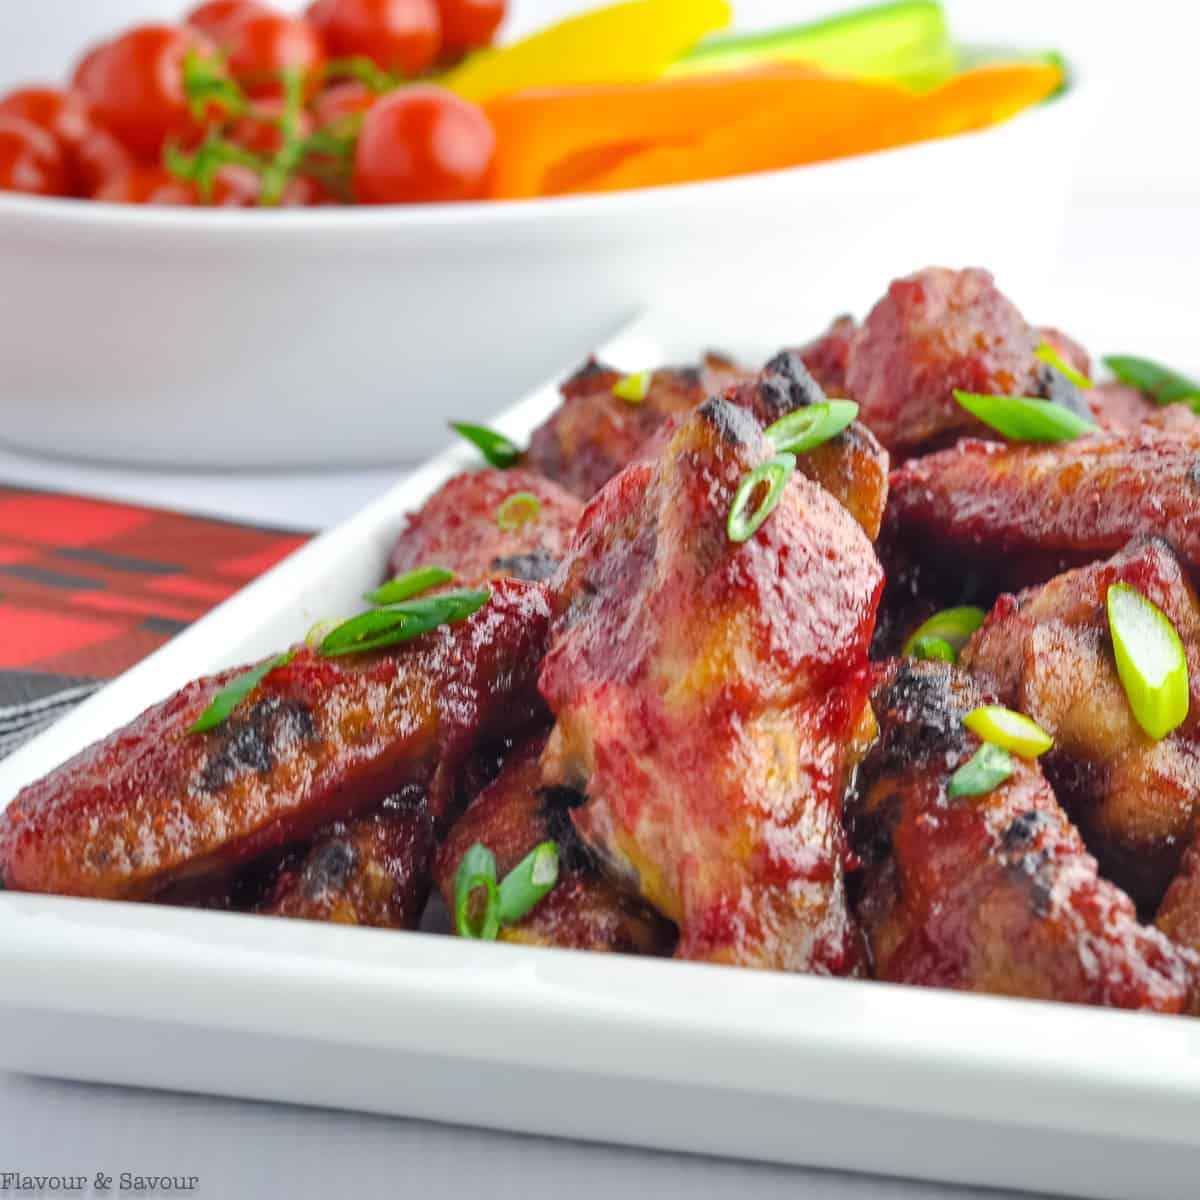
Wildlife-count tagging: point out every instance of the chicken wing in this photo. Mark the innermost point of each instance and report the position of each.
(320, 739)
(706, 693)
(828, 356)
(987, 893)
(584, 911)
(594, 433)
(934, 332)
(1019, 515)
(457, 527)
(1048, 653)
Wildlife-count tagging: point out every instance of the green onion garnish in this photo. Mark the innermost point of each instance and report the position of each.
(773, 475)
(495, 447)
(477, 871)
(528, 882)
(401, 622)
(1161, 384)
(519, 509)
(1047, 354)
(1024, 419)
(807, 428)
(952, 626)
(987, 768)
(1150, 661)
(932, 648)
(1012, 731)
(405, 587)
(235, 691)
(633, 389)
(320, 631)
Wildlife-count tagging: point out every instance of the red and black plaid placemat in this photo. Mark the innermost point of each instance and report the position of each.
(89, 587)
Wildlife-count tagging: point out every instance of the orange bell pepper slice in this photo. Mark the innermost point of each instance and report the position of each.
(537, 132)
(824, 119)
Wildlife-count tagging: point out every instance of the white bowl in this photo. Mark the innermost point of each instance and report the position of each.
(339, 337)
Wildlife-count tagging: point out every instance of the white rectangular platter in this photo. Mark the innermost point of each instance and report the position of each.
(854, 1075)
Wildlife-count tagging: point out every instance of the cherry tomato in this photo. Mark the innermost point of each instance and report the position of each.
(97, 159)
(260, 131)
(264, 44)
(341, 100)
(403, 36)
(64, 113)
(302, 191)
(217, 18)
(232, 187)
(469, 24)
(31, 160)
(423, 144)
(136, 87)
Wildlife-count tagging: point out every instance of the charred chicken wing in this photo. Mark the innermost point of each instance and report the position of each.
(705, 694)
(992, 892)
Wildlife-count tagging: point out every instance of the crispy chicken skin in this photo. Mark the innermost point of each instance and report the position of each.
(705, 693)
(934, 332)
(457, 528)
(372, 870)
(594, 434)
(1048, 653)
(990, 893)
(1022, 514)
(319, 740)
(584, 911)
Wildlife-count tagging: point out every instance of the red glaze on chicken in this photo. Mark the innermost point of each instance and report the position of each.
(458, 527)
(828, 357)
(1048, 653)
(987, 893)
(706, 694)
(320, 739)
(584, 911)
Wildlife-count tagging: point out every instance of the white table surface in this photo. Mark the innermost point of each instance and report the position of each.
(1133, 234)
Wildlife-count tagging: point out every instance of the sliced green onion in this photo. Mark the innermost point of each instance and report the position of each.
(1150, 661)
(773, 475)
(477, 870)
(1047, 354)
(633, 389)
(952, 626)
(494, 447)
(521, 508)
(1160, 383)
(807, 428)
(987, 768)
(528, 882)
(401, 622)
(1012, 731)
(1024, 419)
(932, 648)
(320, 631)
(405, 587)
(235, 691)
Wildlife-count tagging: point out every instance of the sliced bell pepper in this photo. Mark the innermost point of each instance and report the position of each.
(623, 43)
(831, 118)
(907, 41)
(538, 131)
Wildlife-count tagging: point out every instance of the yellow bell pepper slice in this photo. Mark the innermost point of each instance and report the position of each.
(629, 42)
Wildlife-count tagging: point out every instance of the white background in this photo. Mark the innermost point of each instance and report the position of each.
(1133, 237)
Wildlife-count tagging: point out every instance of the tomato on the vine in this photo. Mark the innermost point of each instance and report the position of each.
(135, 84)
(341, 100)
(232, 187)
(262, 45)
(31, 159)
(60, 111)
(403, 36)
(217, 18)
(261, 132)
(423, 144)
(469, 24)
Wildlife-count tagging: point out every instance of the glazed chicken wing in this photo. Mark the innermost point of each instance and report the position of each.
(1048, 653)
(706, 694)
(584, 911)
(320, 739)
(993, 892)
(1021, 514)
(934, 332)
(594, 433)
(458, 528)
(828, 356)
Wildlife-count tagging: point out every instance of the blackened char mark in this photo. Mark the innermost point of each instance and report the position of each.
(249, 741)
